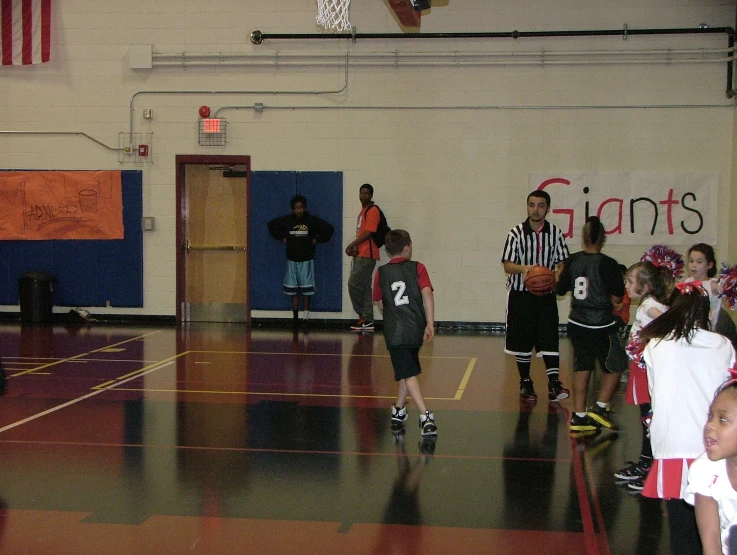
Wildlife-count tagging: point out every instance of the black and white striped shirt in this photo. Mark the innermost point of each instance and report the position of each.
(528, 247)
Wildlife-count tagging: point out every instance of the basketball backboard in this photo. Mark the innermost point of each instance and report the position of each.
(408, 12)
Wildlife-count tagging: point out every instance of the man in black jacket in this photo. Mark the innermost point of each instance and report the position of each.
(301, 231)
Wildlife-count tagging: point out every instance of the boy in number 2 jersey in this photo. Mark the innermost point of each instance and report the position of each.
(403, 292)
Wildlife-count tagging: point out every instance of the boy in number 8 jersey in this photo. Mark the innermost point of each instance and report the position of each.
(403, 292)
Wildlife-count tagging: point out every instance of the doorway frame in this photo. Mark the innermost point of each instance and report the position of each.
(181, 161)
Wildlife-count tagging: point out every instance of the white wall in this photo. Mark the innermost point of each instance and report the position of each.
(455, 175)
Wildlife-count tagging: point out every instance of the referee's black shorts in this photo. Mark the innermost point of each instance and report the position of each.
(532, 323)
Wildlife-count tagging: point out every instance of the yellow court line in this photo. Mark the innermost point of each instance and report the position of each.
(464, 381)
(64, 405)
(272, 393)
(43, 366)
(140, 371)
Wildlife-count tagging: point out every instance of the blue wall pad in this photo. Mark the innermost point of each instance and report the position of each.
(269, 196)
(87, 273)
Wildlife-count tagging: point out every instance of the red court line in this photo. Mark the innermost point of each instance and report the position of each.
(583, 500)
(264, 450)
(604, 543)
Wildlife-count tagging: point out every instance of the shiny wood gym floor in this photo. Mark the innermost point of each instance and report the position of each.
(221, 439)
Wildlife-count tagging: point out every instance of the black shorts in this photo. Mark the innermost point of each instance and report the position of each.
(532, 323)
(406, 362)
(602, 344)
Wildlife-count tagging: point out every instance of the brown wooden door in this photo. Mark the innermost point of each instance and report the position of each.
(212, 235)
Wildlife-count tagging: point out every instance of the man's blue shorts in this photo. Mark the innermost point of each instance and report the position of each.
(299, 278)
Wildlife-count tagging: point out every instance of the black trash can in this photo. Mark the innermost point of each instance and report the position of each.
(36, 292)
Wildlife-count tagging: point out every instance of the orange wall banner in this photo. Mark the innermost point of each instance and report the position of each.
(36, 205)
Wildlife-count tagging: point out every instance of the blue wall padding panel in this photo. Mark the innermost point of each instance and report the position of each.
(324, 193)
(270, 193)
(88, 273)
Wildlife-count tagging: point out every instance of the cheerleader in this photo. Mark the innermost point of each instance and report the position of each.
(647, 283)
(685, 364)
(702, 266)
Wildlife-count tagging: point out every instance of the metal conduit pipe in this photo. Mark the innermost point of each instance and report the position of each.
(257, 37)
(261, 107)
(462, 63)
(441, 59)
(215, 57)
(90, 137)
(237, 92)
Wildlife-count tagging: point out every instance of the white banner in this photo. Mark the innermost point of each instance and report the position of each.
(635, 208)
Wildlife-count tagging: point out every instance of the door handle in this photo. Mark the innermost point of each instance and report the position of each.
(191, 247)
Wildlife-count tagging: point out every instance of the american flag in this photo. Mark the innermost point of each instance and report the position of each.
(26, 31)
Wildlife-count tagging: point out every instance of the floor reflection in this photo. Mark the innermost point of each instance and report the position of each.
(402, 532)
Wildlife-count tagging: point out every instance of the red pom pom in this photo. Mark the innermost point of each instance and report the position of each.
(727, 283)
(635, 348)
(664, 257)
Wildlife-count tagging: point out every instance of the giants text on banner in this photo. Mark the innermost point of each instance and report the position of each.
(25, 33)
(636, 208)
(61, 205)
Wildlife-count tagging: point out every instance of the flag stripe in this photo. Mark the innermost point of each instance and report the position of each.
(7, 31)
(45, 30)
(26, 31)
(26, 15)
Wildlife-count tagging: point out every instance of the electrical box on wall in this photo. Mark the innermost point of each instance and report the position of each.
(135, 150)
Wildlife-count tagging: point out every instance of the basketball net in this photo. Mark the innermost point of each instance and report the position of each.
(333, 14)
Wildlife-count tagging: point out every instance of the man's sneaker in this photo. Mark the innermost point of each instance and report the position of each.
(526, 391)
(584, 423)
(363, 325)
(556, 391)
(602, 415)
(634, 470)
(399, 417)
(636, 485)
(427, 424)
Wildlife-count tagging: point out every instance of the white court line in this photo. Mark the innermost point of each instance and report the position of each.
(78, 399)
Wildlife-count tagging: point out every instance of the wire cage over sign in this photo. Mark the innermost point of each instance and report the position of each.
(212, 132)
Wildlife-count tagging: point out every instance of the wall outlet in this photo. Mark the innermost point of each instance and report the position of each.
(149, 223)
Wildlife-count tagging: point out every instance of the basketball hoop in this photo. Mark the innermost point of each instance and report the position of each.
(333, 14)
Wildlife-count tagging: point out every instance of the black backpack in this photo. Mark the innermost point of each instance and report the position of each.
(379, 236)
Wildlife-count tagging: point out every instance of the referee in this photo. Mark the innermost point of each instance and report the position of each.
(532, 321)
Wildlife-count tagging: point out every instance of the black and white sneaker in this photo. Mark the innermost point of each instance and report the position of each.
(399, 417)
(634, 470)
(556, 391)
(427, 424)
(636, 486)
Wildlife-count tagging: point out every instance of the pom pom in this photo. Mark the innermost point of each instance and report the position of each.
(635, 348)
(664, 257)
(727, 284)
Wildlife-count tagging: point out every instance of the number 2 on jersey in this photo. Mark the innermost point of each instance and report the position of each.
(400, 298)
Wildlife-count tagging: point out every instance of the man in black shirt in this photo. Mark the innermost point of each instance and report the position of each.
(301, 231)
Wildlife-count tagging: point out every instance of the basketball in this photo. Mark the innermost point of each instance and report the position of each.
(540, 280)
